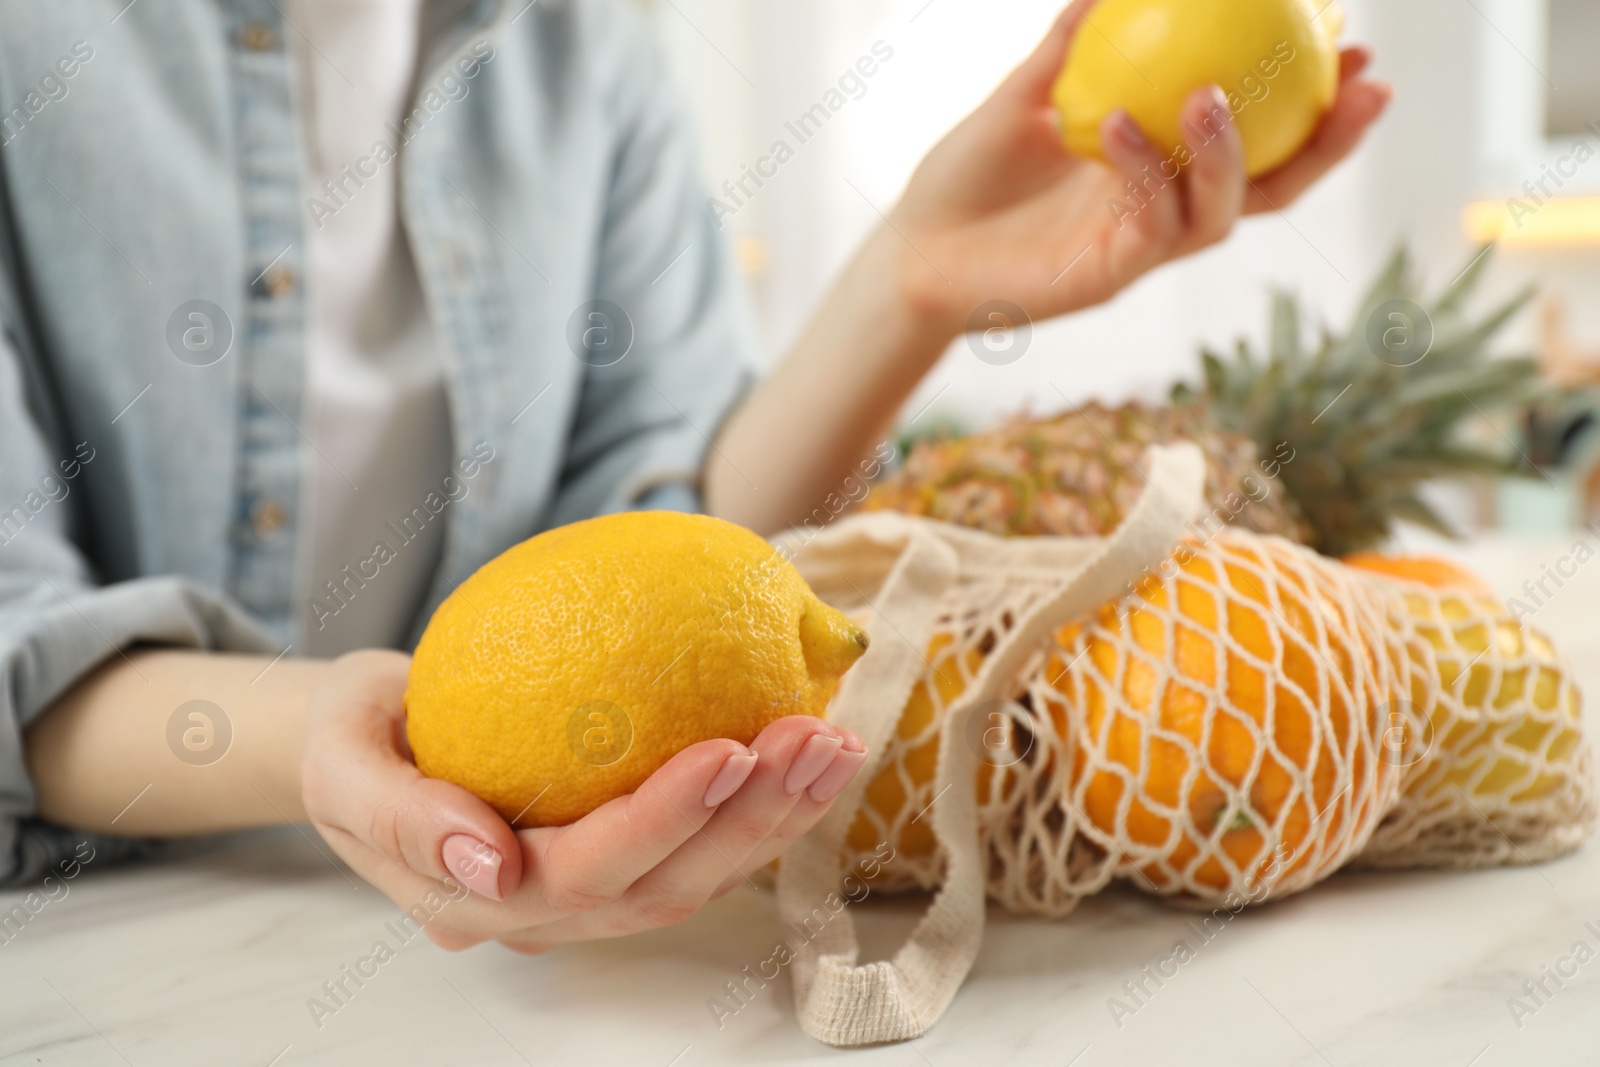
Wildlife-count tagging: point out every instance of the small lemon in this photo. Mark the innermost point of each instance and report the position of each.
(1275, 60)
(572, 666)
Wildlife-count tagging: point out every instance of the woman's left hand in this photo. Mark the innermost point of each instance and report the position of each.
(999, 209)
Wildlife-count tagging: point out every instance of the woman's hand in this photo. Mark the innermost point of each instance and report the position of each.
(716, 812)
(998, 209)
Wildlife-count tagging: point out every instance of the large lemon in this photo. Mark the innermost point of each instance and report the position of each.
(1276, 61)
(569, 668)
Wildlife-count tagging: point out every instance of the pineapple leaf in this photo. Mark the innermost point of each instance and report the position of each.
(1391, 284)
(1458, 291)
(1216, 375)
(1413, 508)
(1285, 329)
(1468, 343)
(1369, 432)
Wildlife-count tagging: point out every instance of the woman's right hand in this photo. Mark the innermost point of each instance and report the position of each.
(699, 826)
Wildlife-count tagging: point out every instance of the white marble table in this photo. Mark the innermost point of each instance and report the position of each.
(212, 960)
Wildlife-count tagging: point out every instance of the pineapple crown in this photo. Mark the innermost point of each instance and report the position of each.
(1376, 411)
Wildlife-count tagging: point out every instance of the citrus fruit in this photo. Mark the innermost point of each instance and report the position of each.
(1200, 712)
(569, 668)
(1275, 60)
(1428, 570)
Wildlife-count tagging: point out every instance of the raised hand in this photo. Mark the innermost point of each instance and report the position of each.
(999, 209)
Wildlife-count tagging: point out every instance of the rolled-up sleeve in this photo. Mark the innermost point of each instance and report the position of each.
(56, 623)
(646, 423)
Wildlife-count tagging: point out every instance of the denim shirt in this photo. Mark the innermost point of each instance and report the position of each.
(152, 222)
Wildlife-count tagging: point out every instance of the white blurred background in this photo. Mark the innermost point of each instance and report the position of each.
(1477, 113)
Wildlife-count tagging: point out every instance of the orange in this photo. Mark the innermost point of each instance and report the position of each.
(1430, 571)
(1246, 721)
(1238, 628)
(1236, 696)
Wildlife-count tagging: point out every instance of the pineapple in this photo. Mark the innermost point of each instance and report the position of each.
(1193, 740)
(1075, 475)
(1325, 446)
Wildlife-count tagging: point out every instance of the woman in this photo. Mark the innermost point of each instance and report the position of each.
(310, 309)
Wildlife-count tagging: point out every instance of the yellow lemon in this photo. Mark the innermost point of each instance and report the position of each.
(572, 666)
(1275, 60)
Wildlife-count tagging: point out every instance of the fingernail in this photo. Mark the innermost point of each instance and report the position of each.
(473, 864)
(735, 769)
(1129, 130)
(1206, 115)
(814, 757)
(837, 776)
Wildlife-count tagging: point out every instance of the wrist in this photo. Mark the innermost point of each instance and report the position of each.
(918, 300)
(277, 726)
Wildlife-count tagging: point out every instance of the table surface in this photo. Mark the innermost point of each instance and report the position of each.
(213, 958)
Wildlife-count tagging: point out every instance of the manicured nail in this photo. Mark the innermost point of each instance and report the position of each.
(473, 864)
(814, 757)
(1129, 130)
(735, 769)
(1205, 115)
(837, 776)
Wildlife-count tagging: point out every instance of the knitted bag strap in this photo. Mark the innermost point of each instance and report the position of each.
(837, 1001)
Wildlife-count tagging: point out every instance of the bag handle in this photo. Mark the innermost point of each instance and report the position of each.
(838, 1002)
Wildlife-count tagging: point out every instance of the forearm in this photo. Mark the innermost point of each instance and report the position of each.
(111, 736)
(800, 433)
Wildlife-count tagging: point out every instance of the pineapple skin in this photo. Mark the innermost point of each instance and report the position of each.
(1076, 474)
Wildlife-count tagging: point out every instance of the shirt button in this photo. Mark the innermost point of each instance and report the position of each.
(278, 282)
(257, 37)
(267, 517)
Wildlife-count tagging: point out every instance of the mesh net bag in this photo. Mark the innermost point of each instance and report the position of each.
(1249, 725)
(1246, 720)
(1501, 771)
